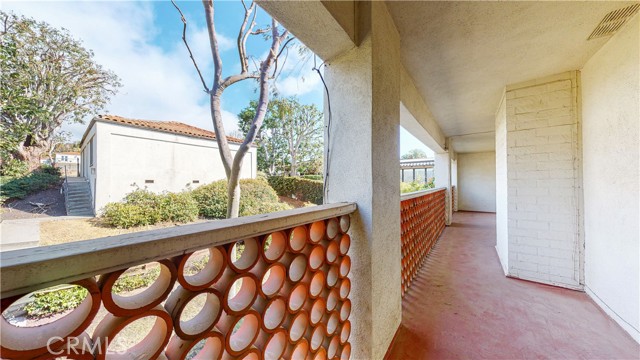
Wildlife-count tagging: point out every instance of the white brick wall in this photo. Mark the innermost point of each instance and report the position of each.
(543, 180)
(502, 226)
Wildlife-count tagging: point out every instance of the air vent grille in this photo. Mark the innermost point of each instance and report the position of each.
(613, 21)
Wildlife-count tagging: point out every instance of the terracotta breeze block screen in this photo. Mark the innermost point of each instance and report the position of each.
(421, 223)
(286, 296)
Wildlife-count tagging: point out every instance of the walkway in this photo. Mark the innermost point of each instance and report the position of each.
(461, 306)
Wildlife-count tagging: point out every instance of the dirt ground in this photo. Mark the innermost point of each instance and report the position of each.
(22, 209)
(295, 203)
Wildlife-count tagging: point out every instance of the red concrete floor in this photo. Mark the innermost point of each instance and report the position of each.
(461, 306)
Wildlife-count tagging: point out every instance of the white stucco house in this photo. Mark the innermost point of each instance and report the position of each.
(120, 154)
(72, 157)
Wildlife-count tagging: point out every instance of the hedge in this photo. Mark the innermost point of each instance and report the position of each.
(142, 207)
(298, 188)
(256, 197)
(312, 177)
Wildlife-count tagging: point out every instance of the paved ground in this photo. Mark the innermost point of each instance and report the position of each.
(20, 233)
(461, 306)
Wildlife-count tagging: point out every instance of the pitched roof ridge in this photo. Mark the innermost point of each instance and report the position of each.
(171, 126)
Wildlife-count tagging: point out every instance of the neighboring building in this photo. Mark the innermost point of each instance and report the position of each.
(416, 169)
(68, 163)
(119, 154)
(67, 157)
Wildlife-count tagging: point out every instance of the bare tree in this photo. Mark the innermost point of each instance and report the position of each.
(263, 74)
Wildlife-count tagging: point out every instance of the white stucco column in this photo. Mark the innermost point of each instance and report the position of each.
(442, 174)
(362, 165)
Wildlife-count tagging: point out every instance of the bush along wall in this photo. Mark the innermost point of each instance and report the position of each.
(298, 188)
(256, 197)
(143, 207)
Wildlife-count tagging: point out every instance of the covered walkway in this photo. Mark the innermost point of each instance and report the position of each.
(461, 306)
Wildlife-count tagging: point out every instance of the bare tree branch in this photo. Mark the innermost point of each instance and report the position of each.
(213, 41)
(243, 34)
(184, 39)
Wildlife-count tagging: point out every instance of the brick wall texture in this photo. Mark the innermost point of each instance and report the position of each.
(543, 177)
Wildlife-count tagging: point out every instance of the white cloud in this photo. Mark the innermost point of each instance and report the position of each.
(297, 77)
(159, 84)
(298, 85)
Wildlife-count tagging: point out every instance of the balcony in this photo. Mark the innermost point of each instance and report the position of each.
(461, 306)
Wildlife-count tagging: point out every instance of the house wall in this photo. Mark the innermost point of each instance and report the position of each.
(128, 156)
(88, 169)
(544, 181)
(502, 208)
(476, 181)
(610, 131)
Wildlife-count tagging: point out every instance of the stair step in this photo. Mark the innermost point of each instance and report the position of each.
(79, 197)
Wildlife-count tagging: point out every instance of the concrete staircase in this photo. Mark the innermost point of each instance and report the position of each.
(77, 194)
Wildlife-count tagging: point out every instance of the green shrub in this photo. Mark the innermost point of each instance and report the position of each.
(212, 199)
(312, 177)
(54, 302)
(124, 216)
(256, 197)
(20, 187)
(407, 187)
(299, 188)
(14, 168)
(143, 207)
(261, 175)
(135, 281)
(51, 170)
(178, 207)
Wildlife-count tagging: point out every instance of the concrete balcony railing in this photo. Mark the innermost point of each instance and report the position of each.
(422, 220)
(286, 295)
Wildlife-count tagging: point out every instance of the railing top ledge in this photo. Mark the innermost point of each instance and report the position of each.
(416, 194)
(35, 268)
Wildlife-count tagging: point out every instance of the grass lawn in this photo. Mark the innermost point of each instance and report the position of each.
(64, 231)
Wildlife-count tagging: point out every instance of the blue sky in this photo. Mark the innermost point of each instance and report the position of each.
(141, 42)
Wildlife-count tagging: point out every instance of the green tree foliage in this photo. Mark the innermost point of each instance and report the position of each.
(407, 187)
(414, 154)
(48, 78)
(290, 140)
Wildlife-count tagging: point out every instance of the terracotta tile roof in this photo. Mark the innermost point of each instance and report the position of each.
(166, 126)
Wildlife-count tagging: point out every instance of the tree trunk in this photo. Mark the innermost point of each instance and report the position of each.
(30, 155)
(294, 166)
(233, 192)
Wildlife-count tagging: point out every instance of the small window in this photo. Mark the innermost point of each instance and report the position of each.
(196, 181)
(148, 181)
(91, 151)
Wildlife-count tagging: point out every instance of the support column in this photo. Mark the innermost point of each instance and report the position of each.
(442, 174)
(538, 139)
(362, 166)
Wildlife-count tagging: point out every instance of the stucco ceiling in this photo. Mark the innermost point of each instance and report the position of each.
(462, 54)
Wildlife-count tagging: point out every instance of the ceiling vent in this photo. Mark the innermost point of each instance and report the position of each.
(613, 21)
